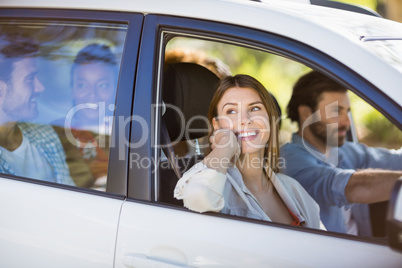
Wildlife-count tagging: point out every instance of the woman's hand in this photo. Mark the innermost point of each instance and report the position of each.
(226, 141)
(225, 150)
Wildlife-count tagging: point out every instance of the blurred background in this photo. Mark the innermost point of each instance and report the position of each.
(390, 9)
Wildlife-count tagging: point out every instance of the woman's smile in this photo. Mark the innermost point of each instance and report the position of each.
(248, 135)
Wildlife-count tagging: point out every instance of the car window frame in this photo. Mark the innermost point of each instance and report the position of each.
(143, 183)
(117, 167)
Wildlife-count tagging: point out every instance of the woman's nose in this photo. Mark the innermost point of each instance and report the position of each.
(91, 92)
(245, 118)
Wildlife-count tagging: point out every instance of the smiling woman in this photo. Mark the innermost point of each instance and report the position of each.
(238, 177)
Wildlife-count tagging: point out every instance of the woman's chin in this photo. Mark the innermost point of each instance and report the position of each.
(250, 149)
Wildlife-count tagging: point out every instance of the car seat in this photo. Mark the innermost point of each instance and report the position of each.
(187, 91)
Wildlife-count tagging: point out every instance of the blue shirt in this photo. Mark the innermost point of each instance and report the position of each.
(45, 139)
(325, 178)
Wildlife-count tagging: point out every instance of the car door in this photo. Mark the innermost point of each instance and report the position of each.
(47, 223)
(156, 233)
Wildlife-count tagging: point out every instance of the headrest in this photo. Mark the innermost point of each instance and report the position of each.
(189, 87)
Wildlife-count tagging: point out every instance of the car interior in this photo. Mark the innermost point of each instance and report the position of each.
(187, 90)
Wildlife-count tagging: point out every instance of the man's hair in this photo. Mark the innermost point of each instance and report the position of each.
(14, 47)
(307, 91)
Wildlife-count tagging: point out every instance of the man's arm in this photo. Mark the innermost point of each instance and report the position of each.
(381, 158)
(371, 185)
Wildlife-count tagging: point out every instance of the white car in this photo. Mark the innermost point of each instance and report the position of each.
(119, 210)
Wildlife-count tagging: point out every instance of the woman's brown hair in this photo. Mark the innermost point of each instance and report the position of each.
(271, 154)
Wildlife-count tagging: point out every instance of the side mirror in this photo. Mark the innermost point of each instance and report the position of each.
(394, 218)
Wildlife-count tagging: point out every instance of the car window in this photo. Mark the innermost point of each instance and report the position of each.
(229, 59)
(373, 128)
(59, 80)
(183, 125)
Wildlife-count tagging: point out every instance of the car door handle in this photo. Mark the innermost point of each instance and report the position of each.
(140, 260)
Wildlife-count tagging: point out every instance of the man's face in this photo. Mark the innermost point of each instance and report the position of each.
(22, 91)
(333, 108)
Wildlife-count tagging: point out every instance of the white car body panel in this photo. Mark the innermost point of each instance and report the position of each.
(182, 238)
(66, 228)
(316, 26)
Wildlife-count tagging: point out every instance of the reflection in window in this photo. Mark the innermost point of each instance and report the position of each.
(61, 91)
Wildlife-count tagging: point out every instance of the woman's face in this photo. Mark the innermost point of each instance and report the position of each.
(242, 111)
(93, 84)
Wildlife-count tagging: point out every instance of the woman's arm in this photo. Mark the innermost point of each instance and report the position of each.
(201, 188)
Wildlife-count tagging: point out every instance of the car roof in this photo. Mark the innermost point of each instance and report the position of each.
(338, 33)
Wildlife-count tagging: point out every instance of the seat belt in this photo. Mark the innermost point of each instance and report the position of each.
(168, 149)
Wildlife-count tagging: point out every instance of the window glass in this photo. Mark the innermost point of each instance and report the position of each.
(58, 82)
(373, 128)
(187, 88)
(275, 72)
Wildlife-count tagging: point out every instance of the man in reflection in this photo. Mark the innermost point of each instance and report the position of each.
(343, 177)
(26, 149)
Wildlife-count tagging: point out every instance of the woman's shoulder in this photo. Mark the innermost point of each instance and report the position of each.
(286, 179)
(289, 183)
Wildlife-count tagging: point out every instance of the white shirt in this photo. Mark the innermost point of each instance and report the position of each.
(350, 223)
(28, 162)
(203, 189)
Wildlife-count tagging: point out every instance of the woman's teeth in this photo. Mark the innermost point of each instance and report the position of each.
(247, 134)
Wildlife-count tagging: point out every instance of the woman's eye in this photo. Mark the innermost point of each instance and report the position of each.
(80, 85)
(255, 108)
(230, 111)
(103, 86)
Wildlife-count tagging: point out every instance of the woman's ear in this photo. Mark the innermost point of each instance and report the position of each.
(215, 123)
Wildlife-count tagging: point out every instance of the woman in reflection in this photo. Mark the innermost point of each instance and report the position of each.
(240, 175)
(93, 80)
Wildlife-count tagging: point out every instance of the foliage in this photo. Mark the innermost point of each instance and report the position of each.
(373, 128)
(372, 4)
